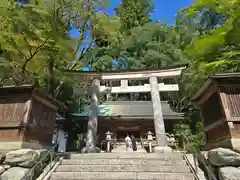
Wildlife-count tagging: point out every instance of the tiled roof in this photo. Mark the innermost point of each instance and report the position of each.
(131, 109)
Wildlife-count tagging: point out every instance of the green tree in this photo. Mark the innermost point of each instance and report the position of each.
(108, 42)
(188, 139)
(35, 45)
(212, 47)
(152, 45)
(85, 22)
(134, 13)
(32, 40)
(215, 47)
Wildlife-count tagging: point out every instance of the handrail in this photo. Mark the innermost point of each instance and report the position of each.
(40, 162)
(198, 155)
(203, 160)
(194, 171)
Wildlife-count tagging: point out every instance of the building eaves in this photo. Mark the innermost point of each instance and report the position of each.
(211, 79)
(131, 109)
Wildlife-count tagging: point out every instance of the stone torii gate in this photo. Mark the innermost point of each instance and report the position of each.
(154, 87)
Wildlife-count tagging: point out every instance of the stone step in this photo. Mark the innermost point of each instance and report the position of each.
(131, 155)
(123, 168)
(121, 161)
(123, 149)
(120, 176)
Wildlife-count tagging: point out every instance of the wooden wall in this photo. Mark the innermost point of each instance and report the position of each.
(218, 133)
(11, 135)
(26, 118)
(231, 96)
(42, 119)
(231, 99)
(235, 131)
(220, 110)
(12, 110)
(212, 110)
(12, 114)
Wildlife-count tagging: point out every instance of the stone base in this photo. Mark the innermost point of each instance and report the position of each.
(235, 143)
(162, 149)
(90, 150)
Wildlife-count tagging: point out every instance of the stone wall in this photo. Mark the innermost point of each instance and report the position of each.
(226, 163)
(14, 165)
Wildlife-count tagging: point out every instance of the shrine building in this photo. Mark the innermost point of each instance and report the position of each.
(128, 102)
(219, 103)
(128, 117)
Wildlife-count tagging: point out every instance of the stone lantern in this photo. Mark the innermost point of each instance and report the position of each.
(150, 139)
(108, 140)
(149, 136)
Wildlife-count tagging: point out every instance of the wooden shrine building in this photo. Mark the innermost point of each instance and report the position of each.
(132, 117)
(128, 117)
(219, 102)
(27, 117)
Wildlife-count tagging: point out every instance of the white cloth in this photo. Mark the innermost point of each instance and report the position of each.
(128, 141)
(54, 140)
(62, 141)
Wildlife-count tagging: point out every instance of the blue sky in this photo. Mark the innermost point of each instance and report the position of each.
(165, 10)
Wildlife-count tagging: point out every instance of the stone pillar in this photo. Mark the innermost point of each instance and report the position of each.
(124, 83)
(158, 118)
(93, 119)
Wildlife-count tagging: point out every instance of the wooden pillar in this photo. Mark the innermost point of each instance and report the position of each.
(158, 117)
(93, 119)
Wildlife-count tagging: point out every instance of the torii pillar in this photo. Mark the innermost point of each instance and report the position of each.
(162, 145)
(93, 118)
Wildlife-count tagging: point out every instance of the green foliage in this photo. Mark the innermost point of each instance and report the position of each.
(212, 47)
(190, 134)
(134, 13)
(35, 45)
(153, 45)
(84, 18)
(215, 49)
(141, 45)
(108, 40)
(33, 41)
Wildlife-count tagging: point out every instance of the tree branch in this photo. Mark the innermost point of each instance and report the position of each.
(58, 90)
(29, 46)
(15, 46)
(32, 56)
(83, 52)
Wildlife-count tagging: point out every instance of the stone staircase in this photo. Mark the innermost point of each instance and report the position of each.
(123, 166)
(121, 147)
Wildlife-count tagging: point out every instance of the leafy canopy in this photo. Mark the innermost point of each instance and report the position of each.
(35, 46)
(134, 13)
